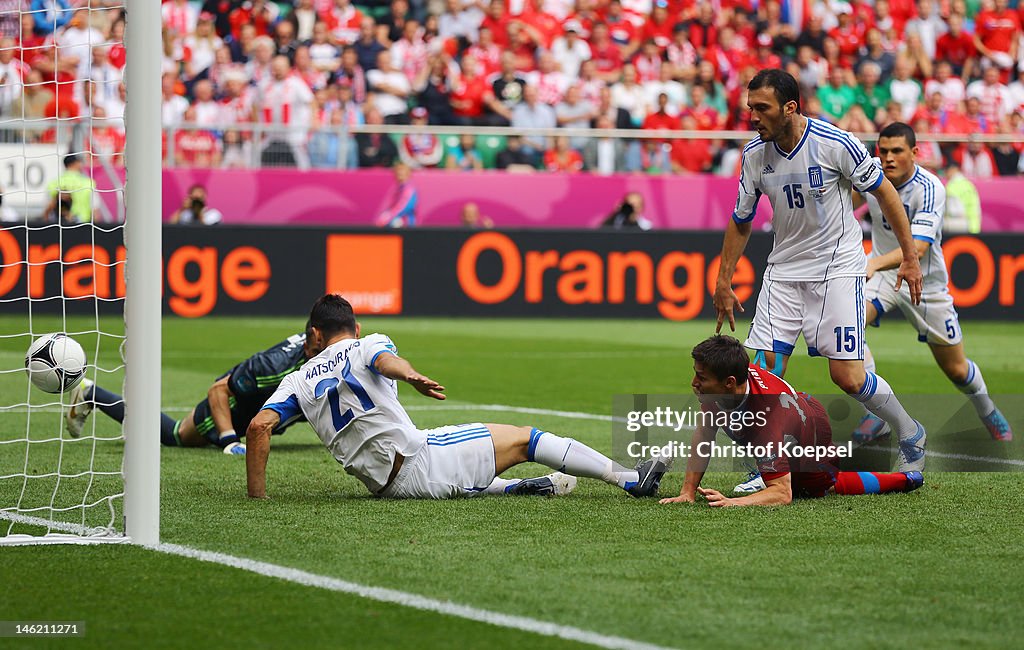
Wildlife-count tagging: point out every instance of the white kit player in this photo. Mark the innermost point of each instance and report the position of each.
(349, 394)
(814, 282)
(935, 318)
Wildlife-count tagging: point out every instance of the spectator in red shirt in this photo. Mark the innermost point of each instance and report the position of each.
(194, 148)
(705, 117)
(497, 20)
(105, 140)
(956, 47)
(605, 54)
(703, 30)
(975, 159)
(661, 120)
(901, 11)
(621, 30)
(693, 156)
(996, 35)
(562, 158)
(658, 27)
(847, 34)
(648, 62)
(765, 58)
(261, 14)
(470, 93)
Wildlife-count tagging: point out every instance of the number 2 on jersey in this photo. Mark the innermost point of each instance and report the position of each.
(330, 385)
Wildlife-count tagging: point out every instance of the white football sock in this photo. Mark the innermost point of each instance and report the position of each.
(499, 485)
(575, 458)
(977, 391)
(877, 397)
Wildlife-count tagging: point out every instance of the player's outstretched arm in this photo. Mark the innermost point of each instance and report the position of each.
(393, 366)
(896, 216)
(894, 258)
(258, 441)
(736, 237)
(779, 492)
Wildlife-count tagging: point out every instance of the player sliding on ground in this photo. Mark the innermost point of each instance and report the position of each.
(934, 318)
(349, 393)
(725, 380)
(231, 402)
(814, 282)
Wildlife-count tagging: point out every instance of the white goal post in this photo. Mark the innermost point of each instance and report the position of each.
(143, 239)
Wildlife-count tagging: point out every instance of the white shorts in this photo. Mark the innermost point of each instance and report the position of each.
(457, 460)
(829, 314)
(935, 319)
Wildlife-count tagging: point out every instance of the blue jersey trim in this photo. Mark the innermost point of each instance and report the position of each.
(781, 347)
(287, 410)
(448, 443)
(924, 238)
(373, 362)
(831, 133)
(880, 311)
(877, 184)
(796, 149)
(913, 177)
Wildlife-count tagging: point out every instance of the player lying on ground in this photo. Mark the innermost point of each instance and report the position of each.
(814, 282)
(934, 318)
(725, 380)
(231, 403)
(349, 393)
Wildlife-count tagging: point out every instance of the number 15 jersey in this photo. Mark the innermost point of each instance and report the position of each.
(353, 409)
(817, 237)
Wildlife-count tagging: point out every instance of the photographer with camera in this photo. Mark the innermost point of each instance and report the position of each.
(195, 211)
(628, 214)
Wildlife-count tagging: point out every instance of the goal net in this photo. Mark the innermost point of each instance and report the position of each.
(65, 266)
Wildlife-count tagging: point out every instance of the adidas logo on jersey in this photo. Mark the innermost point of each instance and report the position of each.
(768, 169)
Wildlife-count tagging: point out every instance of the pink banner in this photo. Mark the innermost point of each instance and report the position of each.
(542, 200)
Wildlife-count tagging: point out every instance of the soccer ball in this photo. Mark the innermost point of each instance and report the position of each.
(55, 363)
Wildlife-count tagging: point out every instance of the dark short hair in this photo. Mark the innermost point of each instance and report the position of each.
(900, 130)
(724, 356)
(332, 314)
(785, 86)
(71, 160)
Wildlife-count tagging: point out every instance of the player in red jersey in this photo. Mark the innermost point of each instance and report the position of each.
(767, 413)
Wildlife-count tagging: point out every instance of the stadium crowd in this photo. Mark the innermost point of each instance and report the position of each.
(271, 82)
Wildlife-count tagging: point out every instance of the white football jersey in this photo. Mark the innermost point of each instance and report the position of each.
(354, 409)
(817, 237)
(924, 199)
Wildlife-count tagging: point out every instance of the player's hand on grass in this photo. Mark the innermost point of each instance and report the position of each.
(426, 385)
(725, 299)
(715, 498)
(910, 272)
(682, 498)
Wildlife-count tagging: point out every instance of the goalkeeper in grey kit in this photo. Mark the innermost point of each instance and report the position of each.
(231, 402)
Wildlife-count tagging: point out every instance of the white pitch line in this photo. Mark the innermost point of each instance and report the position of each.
(407, 599)
(81, 535)
(506, 408)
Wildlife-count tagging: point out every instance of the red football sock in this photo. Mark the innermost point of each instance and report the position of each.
(870, 482)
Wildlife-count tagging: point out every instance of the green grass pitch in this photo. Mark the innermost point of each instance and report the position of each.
(937, 567)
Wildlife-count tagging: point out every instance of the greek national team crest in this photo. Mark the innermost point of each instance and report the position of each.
(814, 176)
